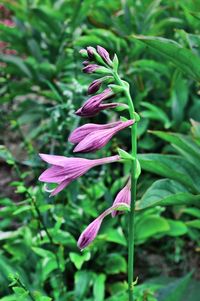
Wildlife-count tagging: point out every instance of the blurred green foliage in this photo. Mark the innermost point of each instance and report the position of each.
(158, 45)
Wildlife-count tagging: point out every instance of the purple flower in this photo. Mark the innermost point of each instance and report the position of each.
(90, 52)
(94, 86)
(64, 170)
(91, 68)
(90, 233)
(81, 132)
(123, 197)
(93, 105)
(104, 54)
(85, 63)
(98, 138)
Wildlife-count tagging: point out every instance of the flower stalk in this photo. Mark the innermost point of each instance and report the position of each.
(131, 233)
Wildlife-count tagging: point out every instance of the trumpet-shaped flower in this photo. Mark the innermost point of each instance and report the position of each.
(81, 132)
(123, 197)
(64, 170)
(90, 233)
(93, 105)
(98, 138)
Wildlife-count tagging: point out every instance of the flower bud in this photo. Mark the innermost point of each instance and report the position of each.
(104, 55)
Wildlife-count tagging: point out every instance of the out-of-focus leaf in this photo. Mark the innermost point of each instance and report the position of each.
(115, 264)
(166, 192)
(175, 290)
(173, 167)
(149, 226)
(16, 61)
(82, 280)
(181, 57)
(99, 287)
(184, 144)
(177, 228)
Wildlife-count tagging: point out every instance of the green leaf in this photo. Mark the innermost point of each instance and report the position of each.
(155, 113)
(181, 57)
(173, 167)
(166, 192)
(18, 62)
(99, 287)
(177, 228)
(192, 211)
(184, 144)
(175, 290)
(78, 259)
(124, 155)
(149, 226)
(116, 236)
(194, 224)
(115, 264)
(82, 280)
(179, 97)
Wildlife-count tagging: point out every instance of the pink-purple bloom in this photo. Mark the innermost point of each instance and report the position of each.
(104, 54)
(90, 52)
(91, 68)
(64, 170)
(94, 104)
(94, 86)
(123, 197)
(94, 136)
(90, 233)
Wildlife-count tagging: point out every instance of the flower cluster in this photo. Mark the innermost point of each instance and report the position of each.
(89, 138)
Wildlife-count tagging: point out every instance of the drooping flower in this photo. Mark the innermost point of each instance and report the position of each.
(93, 105)
(123, 197)
(104, 54)
(97, 139)
(64, 170)
(90, 233)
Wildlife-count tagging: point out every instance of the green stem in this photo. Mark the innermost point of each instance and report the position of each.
(133, 187)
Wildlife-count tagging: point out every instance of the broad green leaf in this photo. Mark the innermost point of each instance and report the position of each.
(183, 143)
(115, 264)
(175, 291)
(116, 236)
(99, 287)
(181, 57)
(166, 192)
(194, 224)
(173, 167)
(150, 226)
(82, 280)
(177, 228)
(192, 211)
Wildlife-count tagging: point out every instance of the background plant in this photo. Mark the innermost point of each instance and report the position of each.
(40, 88)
